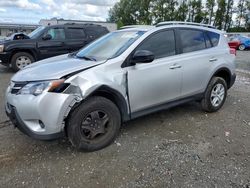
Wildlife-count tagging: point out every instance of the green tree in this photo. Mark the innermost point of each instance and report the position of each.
(228, 14)
(220, 13)
(210, 4)
(199, 15)
(195, 13)
(248, 16)
(130, 12)
(181, 14)
(241, 11)
(164, 10)
(144, 12)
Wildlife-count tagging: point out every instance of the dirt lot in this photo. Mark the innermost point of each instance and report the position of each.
(180, 147)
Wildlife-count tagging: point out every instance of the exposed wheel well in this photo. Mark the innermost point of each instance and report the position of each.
(115, 97)
(225, 74)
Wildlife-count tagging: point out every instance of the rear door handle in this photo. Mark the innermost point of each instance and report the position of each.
(175, 66)
(213, 59)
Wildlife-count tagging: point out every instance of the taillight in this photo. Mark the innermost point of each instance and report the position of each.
(233, 51)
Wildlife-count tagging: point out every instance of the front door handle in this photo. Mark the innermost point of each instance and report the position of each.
(175, 66)
(213, 59)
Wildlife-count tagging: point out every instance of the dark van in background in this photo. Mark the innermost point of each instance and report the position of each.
(20, 50)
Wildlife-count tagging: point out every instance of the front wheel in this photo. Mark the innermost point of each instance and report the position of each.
(215, 95)
(94, 124)
(21, 60)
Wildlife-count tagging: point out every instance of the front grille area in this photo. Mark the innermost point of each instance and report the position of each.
(16, 86)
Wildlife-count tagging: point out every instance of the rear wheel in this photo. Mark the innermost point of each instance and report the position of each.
(242, 47)
(215, 95)
(94, 124)
(21, 60)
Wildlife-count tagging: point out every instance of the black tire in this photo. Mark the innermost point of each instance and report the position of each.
(206, 102)
(17, 55)
(80, 137)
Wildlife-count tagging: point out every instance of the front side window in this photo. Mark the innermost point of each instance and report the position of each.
(76, 33)
(161, 44)
(110, 46)
(56, 33)
(37, 32)
(192, 40)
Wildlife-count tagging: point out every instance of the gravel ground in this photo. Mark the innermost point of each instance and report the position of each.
(180, 147)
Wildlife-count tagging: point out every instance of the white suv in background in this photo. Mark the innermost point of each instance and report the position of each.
(128, 73)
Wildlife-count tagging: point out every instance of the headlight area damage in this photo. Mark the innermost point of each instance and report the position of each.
(37, 88)
(39, 108)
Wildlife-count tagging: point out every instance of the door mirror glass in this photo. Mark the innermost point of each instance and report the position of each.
(143, 56)
(47, 37)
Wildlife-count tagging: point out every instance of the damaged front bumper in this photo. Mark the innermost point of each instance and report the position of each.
(41, 117)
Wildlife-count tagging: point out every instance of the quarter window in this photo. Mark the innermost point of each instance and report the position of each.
(192, 40)
(56, 33)
(214, 37)
(162, 44)
(76, 33)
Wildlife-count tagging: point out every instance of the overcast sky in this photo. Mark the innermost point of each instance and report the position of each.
(31, 11)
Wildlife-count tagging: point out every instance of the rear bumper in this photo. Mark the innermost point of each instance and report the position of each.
(5, 58)
(232, 80)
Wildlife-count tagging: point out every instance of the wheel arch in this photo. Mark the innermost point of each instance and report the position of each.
(224, 73)
(30, 51)
(114, 96)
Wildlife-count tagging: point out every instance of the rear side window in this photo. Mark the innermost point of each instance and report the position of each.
(208, 41)
(214, 37)
(95, 32)
(56, 33)
(91, 32)
(162, 44)
(192, 40)
(76, 33)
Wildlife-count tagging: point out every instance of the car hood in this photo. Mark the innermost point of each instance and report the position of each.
(53, 68)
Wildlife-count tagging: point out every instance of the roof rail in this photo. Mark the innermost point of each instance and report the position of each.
(183, 23)
(136, 26)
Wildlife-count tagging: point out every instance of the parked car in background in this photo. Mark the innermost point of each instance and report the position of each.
(20, 50)
(121, 76)
(239, 42)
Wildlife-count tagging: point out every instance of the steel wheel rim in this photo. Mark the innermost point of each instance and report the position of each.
(95, 125)
(22, 61)
(217, 95)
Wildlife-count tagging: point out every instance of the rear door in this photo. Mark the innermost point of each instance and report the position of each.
(155, 83)
(76, 38)
(54, 46)
(197, 57)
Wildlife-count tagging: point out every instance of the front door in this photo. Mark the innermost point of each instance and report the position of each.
(55, 46)
(153, 84)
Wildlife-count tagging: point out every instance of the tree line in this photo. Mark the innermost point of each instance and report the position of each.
(219, 13)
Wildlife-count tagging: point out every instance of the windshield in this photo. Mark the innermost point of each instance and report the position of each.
(36, 33)
(110, 45)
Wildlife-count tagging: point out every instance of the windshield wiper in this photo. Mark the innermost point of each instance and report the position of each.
(88, 58)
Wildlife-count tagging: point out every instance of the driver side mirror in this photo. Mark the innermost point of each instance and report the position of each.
(47, 37)
(143, 56)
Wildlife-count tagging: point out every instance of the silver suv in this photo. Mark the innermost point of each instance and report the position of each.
(128, 73)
